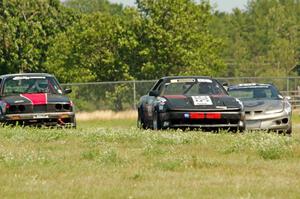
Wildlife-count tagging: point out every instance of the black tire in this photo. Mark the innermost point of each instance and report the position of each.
(156, 123)
(74, 125)
(289, 131)
(2, 123)
(140, 121)
(70, 125)
(241, 129)
(237, 129)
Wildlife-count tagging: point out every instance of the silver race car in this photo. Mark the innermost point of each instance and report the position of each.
(265, 108)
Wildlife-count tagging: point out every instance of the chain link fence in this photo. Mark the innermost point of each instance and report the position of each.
(124, 95)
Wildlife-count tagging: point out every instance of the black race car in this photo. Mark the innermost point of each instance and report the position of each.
(35, 99)
(190, 102)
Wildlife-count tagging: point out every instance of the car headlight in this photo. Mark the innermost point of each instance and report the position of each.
(161, 103)
(287, 107)
(162, 100)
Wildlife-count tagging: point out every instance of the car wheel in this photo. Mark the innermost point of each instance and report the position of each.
(241, 129)
(140, 122)
(237, 129)
(289, 131)
(156, 124)
(1, 117)
(74, 125)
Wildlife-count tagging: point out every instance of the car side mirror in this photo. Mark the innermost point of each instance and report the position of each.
(225, 85)
(68, 90)
(153, 93)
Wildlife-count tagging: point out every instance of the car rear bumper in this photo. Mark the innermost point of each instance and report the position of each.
(178, 119)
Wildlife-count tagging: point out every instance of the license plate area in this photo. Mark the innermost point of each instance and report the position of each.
(40, 116)
(253, 124)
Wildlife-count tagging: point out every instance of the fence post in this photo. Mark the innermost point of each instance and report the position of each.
(288, 85)
(134, 95)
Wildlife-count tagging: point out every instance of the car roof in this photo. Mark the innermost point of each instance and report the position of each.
(249, 85)
(184, 77)
(25, 74)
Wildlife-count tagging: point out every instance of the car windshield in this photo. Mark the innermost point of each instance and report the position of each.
(192, 87)
(30, 84)
(254, 92)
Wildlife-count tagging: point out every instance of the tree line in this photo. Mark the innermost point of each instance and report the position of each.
(95, 40)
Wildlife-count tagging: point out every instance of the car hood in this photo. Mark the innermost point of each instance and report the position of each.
(35, 99)
(221, 102)
(263, 105)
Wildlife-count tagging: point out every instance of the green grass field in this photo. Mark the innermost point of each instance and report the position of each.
(113, 159)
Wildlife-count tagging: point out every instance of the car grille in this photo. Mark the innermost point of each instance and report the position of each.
(15, 109)
(39, 108)
(253, 112)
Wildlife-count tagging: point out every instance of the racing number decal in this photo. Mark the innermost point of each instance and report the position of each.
(202, 100)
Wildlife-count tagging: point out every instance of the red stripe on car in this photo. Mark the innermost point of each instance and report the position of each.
(36, 98)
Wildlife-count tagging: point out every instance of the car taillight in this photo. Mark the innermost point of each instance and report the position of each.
(193, 115)
(213, 115)
(197, 115)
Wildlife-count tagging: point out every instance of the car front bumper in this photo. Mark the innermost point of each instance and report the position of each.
(180, 119)
(61, 118)
(277, 121)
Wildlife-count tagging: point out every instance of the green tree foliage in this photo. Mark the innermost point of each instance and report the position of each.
(174, 39)
(96, 48)
(95, 40)
(91, 50)
(166, 37)
(26, 29)
(263, 40)
(119, 96)
(90, 6)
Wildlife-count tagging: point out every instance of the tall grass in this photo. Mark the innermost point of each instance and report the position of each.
(95, 161)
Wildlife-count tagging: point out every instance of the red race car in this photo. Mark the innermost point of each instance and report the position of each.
(35, 99)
